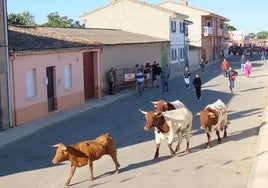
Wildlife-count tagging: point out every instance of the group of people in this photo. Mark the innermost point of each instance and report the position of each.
(161, 75)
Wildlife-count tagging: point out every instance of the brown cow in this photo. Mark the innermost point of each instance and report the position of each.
(214, 117)
(86, 152)
(162, 106)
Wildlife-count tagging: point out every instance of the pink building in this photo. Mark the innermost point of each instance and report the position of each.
(48, 72)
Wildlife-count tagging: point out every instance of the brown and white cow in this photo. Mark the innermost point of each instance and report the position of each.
(214, 117)
(162, 106)
(85, 152)
(167, 125)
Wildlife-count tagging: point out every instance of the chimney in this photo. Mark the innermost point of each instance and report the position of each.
(184, 2)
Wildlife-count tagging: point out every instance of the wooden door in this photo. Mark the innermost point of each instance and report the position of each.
(88, 65)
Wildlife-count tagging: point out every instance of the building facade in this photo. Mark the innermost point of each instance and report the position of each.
(207, 30)
(151, 20)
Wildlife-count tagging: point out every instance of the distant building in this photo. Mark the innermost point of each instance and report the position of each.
(206, 32)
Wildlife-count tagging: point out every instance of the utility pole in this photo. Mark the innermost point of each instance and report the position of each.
(5, 99)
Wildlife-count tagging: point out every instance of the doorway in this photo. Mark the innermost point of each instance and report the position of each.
(88, 68)
(50, 88)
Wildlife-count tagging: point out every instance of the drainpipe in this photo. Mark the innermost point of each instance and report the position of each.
(7, 62)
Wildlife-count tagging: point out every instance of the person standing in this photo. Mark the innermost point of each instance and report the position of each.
(247, 68)
(168, 70)
(158, 72)
(197, 84)
(231, 74)
(263, 54)
(243, 60)
(202, 66)
(224, 65)
(139, 79)
(154, 67)
(187, 76)
(111, 76)
(164, 78)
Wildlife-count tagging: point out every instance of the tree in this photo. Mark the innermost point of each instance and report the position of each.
(262, 35)
(55, 20)
(229, 27)
(252, 35)
(25, 18)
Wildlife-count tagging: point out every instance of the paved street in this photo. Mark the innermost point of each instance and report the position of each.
(27, 162)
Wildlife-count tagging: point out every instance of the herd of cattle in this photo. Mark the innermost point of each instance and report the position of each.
(168, 120)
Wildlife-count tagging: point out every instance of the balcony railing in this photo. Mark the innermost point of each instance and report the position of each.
(207, 30)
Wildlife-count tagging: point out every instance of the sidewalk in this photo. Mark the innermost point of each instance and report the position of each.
(258, 177)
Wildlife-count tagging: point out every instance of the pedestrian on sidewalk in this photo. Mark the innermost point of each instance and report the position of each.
(231, 74)
(197, 84)
(186, 76)
(164, 79)
(111, 76)
(158, 73)
(139, 79)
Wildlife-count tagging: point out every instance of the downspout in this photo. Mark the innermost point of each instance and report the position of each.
(7, 63)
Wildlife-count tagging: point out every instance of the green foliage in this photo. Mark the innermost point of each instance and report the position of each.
(229, 27)
(252, 35)
(55, 20)
(24, 18)
(262, 35)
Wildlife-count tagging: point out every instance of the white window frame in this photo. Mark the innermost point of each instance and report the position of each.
(31, 83)
(68, 76)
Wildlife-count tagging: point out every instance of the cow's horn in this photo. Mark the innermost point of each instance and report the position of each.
(197, 114)
(142, 111)
(55, 146)
(154, 102)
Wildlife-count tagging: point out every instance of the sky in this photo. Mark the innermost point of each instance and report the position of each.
(244, 15)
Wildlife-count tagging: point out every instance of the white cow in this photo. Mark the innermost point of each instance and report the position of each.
(167, 125)
(214, 117)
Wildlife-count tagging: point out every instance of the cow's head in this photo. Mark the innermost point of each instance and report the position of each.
(152, 119)
(61, 153)
(208, 117)
(160, 106)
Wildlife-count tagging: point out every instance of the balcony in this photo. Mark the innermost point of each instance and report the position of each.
(207, 31)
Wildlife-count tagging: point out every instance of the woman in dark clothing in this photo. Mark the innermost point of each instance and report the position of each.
(197, 84)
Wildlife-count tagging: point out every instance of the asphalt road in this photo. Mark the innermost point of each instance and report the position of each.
(27, 163)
